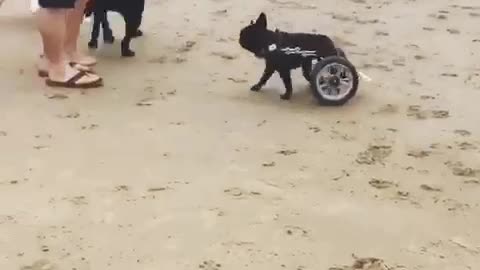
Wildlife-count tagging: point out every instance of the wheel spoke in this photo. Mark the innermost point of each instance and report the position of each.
(334, 81)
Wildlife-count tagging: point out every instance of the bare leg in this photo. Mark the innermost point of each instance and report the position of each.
(51, 25)
(74, 20)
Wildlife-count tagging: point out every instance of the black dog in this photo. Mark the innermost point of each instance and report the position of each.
(284, 51)
(132, 13)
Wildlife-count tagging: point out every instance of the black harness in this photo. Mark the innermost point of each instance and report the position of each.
(279, 48)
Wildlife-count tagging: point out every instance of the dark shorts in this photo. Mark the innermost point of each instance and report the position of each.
(57, 3)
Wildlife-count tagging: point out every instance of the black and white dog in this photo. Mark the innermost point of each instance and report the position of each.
(132, 13)
(283, 51)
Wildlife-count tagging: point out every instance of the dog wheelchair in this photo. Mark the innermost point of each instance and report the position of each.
(334, 79)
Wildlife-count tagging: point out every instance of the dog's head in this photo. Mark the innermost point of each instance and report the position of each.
(253, 37)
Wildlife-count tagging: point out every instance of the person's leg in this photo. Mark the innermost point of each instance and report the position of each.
(51, 24)
(52, 27)
(74, 20)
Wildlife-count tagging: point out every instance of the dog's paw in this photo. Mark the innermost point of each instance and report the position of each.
(128, 53)
(93, 44)
(256, 88)
(286, 96)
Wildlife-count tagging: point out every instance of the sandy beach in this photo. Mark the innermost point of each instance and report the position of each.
(176, 165)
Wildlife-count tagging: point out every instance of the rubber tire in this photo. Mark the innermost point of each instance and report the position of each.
(316, 70)
(341, 53)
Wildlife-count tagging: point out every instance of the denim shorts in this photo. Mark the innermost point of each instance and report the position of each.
(57, 3)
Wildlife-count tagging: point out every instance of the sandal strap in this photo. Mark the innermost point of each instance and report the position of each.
(76, 77)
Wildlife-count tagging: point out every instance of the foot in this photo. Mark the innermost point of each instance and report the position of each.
(69, 77)
(256, 88)
(42, 66)
(286, 96)
(126, 52)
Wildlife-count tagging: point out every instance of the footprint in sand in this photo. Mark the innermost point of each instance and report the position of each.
(78, 200)
(387, 109)
(237, 80)
(236, 193)
(269, 164)
(419, 153)
(454, 205)
(427, 97)
(158, 60)
(430, 188)
(296, 231)
(365, 264)
(121, 188)
(381, 184)
(458, 169)
(399, 62)
(472, 182)
(419, 57)
(314, 129)
(158, 189)
(287, 152)
(224, 56)
(439, 16)
(73, 115)
(381, 33)
(40, 265)
(416, 111)
(374, 154)
(466, 146)
(376, 66)
(188, 46)
(90, 127)
(210, 265)
(453, 31)
(146, 102)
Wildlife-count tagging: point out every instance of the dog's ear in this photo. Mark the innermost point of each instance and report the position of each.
(262, 20)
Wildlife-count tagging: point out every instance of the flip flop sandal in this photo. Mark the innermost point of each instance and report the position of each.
(72, 82)
(44, 73)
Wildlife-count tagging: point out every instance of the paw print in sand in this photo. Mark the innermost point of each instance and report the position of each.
(210, 265)
(367, 264)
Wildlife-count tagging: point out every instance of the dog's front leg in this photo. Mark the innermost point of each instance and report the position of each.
(267, 74)
(97, 20)
(107, 31)
(130, 29)
(285, 74)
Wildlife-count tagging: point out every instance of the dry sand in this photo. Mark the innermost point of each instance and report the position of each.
(175, 164)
